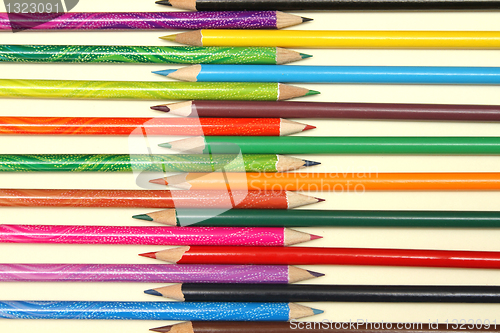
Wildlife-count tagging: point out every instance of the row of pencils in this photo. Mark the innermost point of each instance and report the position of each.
(230, 207)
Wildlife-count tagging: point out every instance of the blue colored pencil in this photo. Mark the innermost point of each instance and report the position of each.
(337, 74)
(213, 311)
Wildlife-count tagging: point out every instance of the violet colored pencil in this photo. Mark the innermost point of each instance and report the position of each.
(77, 234)
(149, 20)
(152, 273)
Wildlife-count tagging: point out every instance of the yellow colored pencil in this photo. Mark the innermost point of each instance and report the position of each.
(342, 39)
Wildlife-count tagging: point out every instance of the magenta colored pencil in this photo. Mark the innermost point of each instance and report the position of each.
(148, 20)
(220, 236)
(152, 273)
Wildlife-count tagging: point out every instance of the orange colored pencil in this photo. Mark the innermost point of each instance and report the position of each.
(354, 182)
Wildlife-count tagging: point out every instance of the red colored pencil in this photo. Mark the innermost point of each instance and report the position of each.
(326, 256)
(154, 199)
(150, 126)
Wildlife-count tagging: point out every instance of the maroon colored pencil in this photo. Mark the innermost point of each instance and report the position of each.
(333, 110)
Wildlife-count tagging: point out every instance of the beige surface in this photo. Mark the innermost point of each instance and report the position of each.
(396, 238)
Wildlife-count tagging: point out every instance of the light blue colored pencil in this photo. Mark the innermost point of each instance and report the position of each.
(213, 311)
(337, 74)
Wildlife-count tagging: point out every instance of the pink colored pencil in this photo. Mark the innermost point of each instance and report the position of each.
(220, 236)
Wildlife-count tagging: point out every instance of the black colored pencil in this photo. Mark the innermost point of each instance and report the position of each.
(195, 292)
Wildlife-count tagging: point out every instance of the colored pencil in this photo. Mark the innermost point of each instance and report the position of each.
(336, 74)
(147, 54)
(326, 256)
(149, 163)
(246, 311)
(197, 292)
(324, 218)
(340, 145)
(153, 273)
(203, 5)
(387, 111)
(150, 126)
(342, 39)
(148, 20)
(153, 199)
(354, 182)
(360, 326)
(152, 90)
(91, 234)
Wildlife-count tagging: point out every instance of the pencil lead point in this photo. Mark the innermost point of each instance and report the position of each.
(306, 19)
(317, 311)
(312, 92)
(313, 237)
(163, 108)
(159, 181)
(169, 37)
(163, 329)
(164, 72)
(308, 163)
(152, 292)
(144, 217)
(320, 200)
(305, 55)
(165, 145)
(149, 255)
(163, 2)
(308, 127)
(315, 274)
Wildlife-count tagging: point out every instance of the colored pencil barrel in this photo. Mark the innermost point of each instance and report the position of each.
(355, 182)
(246, 311)
(327, 256)
(337, 74)
(146, 54)
(343, 39)
(202, 5)
(153, 199)
(316, 327)
(151, 90)
(148, 163)
(153, 273)
(196, 292)
(333, 110)
(341, 145)
(325, 218)
(81, 234)
(147, 20)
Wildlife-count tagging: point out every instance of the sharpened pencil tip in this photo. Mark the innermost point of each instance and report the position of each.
(163, 2)
(320, 200)
(308, 127)
(306, 19)
(160, 181)
(317, 311)
(315, 274)
(169, 37)
(163, 108)
(152, 292)
(165, 145)
(313, 237)
(149, 255)
(164, 72)
(308, 163)
(163, 329)
(143, 217)
(305, 55)
(312, 92)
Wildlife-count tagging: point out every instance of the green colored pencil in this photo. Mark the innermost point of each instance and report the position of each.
(323, 218)
(151, 163)
(148, 54)
(151, 90)
(340, 145)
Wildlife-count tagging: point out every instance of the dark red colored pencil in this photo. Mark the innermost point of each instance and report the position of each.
(245, 109)
(326, 256)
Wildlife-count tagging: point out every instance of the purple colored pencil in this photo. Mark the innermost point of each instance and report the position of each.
(153, 273)
(149, 20)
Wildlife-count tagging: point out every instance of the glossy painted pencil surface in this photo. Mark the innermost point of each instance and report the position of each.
(153, 199)
(337, 74)
(257, 109)
(149, 126)
(147, 54)
(196, 292)
(147, 90)
(148, 20)
(81, 234)
(342, 39)
(149, 163)
(324, 218)
(341, 145)
(203, 5)
(153, 273)
(353, 182)
(327, 256)
(247, 311)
